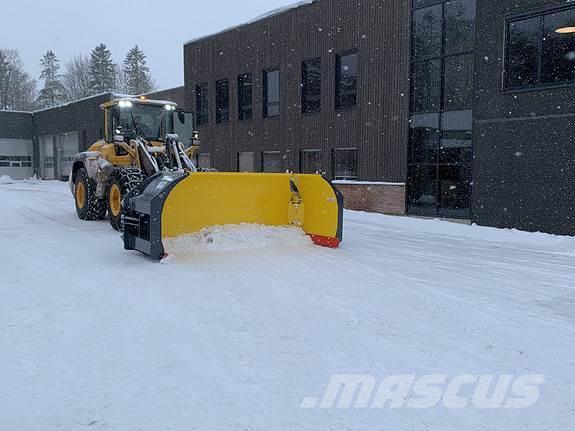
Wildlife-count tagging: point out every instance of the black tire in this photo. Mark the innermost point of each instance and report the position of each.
(122, 181)
(88, 206)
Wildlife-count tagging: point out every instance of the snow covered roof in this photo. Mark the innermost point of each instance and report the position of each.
(113, 95)
(266, 15)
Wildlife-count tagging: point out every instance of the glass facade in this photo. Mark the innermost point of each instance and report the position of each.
(440, 143)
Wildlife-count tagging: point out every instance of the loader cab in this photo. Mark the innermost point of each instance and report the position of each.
(134, 118)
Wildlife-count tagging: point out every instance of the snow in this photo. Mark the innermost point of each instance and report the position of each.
(367, 183)
(5, 179)
(237, 237)
(234, 338)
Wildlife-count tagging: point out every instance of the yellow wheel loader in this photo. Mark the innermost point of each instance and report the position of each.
(143, 177)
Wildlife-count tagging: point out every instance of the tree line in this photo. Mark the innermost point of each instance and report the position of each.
(82, 76)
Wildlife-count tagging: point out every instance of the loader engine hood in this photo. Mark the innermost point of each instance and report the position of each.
(169, 205)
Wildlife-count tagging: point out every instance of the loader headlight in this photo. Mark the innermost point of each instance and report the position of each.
(170, 107)
(125, 104)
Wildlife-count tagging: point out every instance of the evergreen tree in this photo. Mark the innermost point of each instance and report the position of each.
(53, 92)
(102, 70)
(137, 73)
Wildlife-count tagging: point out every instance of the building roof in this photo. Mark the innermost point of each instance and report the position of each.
(262, 17)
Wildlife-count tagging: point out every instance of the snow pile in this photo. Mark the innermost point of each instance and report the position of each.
(5, 179)
(237, 237)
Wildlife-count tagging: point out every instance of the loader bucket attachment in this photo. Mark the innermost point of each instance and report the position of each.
(169, 205)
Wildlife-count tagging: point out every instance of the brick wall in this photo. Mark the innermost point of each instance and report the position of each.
(380, 198)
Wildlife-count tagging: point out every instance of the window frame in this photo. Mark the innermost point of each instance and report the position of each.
(303, 87)
(239, 154)
(265, 92)
(241, 112)
(310, 151)
(263, 164)
(333, 164)
(199, 121)
(338, 57)
(219, 120)
(521, 16)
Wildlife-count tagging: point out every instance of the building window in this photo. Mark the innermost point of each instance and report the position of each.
(271, 162)
(346, 81)
(311, 86)
(271, 95)
(202, 112)
(222, 101)
(440, 144)
(204, 161)
(345, 164)
(310, 162)
(246, 162)
(245, 107)
(537, 54)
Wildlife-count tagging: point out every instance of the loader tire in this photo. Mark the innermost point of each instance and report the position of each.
(88, 206)
(122, 181)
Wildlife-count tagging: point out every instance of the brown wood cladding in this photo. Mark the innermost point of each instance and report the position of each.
(378, 127)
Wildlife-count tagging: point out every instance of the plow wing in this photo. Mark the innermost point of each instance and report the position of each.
(170, 205)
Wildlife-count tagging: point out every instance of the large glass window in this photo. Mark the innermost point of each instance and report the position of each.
(271, 161)
(271, 93)
(426, 86)
(345, 164)
(202, 113)
(346, 81)
(459, 26)
(310, 161)
(245, 107)
(440, 145)
(222, 101)
(539, 52)
(311, 86)
(458, 87)
(427, 32)
(423, 185)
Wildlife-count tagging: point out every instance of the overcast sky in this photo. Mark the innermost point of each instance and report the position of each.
(159, 27)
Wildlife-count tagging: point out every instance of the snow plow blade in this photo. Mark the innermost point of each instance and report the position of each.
(169, 205)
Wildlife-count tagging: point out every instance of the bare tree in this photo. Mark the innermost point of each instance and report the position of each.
(76, 79)
(17, 89)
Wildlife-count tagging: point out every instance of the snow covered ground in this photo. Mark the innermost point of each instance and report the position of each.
(94, 337)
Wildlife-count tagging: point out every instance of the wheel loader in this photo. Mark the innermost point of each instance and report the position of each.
(143, 177)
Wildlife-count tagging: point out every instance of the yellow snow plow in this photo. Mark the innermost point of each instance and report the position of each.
(172, 204)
